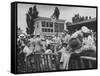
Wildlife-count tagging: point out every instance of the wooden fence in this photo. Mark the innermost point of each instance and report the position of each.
(39, 62)
(82, 62)
(48, 62)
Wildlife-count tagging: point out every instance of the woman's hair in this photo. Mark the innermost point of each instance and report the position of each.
(75, 43)
(48, 47)
(64, 45)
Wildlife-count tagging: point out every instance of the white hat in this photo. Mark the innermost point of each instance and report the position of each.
(38, 33)
(74, 35)
(62, 33)
(22, 35)
(85, 29)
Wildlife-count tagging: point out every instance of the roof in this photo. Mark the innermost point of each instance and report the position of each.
(85, 21)
(91, 24)
(47, 18)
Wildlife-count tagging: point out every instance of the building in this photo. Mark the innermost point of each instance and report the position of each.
(47, 26)
(90, 23)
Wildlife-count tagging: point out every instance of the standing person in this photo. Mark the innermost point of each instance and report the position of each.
(74, 47)
(66, 37)
(78, 37)
(49, 41)
(57, 42)
(82, 44)
(44, 44)
(65, 56)
(37, 44)
(27, 51)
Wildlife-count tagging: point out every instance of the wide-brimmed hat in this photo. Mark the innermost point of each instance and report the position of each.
(85, 29)
(75, 43)
(66, 30)
(38, 34)
(22, 36)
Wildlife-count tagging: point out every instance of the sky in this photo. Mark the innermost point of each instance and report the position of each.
(66, 12)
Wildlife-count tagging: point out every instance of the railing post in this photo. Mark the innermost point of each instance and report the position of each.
(43, 62)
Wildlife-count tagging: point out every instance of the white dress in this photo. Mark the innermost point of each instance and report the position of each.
(65, 58)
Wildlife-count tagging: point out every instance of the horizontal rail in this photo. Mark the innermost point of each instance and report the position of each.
(46, 53)
(86, 57)
(44, 62)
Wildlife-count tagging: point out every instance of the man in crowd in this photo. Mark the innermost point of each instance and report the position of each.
(65, 36)
(37, 43)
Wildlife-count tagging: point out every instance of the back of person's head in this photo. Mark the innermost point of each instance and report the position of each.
(48, 47)
(64, 45)
(74, 43)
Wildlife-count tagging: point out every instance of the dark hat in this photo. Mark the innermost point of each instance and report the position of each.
(75, 43)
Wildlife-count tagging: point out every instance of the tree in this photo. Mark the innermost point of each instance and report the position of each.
(89, 17)
(56, 13)
(77, 18)
(30, 16)
(82, 18)
(73, 19)
(86, 17)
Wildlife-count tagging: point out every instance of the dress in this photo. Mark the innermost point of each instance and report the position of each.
(65, 58)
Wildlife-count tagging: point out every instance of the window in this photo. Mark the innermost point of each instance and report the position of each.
(51, 24)
(43, 30)
(51, 30)
(47, 24)
(47, 30)
(43, 23)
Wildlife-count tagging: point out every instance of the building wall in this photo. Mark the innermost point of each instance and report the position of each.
(58, 27)
(37, 27)
(49, 28)
(91, 25)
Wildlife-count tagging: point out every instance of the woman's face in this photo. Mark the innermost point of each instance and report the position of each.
(51, 47)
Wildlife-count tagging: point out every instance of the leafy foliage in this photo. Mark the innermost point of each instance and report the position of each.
(78, 18)
(30, 16)
(56, 13)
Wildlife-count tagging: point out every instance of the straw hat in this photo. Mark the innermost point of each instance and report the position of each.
(22, 36)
